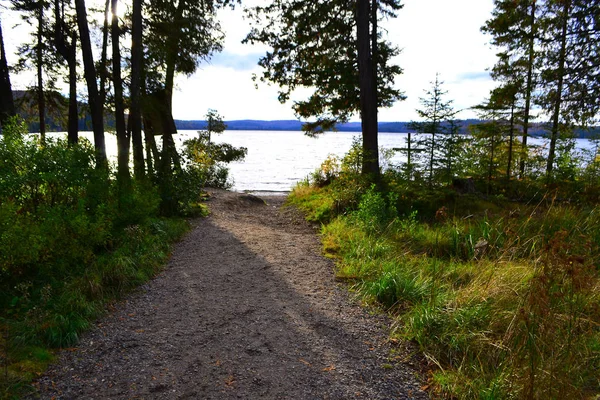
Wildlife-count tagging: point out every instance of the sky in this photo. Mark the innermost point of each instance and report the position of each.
(436, 36)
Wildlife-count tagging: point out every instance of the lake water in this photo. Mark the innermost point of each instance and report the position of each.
(276, 160)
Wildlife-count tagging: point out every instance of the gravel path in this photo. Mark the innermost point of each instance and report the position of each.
(246, 309)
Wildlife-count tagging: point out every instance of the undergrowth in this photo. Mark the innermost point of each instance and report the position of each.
(502, 297)
(71, 243)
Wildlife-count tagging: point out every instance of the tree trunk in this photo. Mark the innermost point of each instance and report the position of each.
(122, 138)
(491, 165)
(69, 52)
(135, 115)
(96, 106)
(40, 77)
(151, 149)
(409, 156)
(7, 104)
(511, 139)
(560, 70)
(528, 90)
(104, 54)
(73, 133)
(368, 90)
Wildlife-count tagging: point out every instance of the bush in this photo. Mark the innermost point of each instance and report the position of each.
(71, 239)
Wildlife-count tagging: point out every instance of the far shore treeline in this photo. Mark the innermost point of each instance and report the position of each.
(53, 123)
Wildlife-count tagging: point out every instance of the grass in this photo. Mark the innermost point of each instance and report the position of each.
(52, 316)
(502, 298)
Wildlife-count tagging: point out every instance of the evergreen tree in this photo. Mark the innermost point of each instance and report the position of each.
(135, 111)
(65, 42)
(514, 27)
(488, 142)
(121, 129)
(570, 69)
(504, 102)
(95, 103)
(7, 104)
(178, 36)
(37, 54)
(432, 130)
(336, 48)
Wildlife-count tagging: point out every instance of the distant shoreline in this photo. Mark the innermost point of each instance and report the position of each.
(387, 127)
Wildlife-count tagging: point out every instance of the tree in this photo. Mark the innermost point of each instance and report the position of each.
(336, 48)
(214, 125)
(7, 104)
(178, 36)
(122, 137)
(435, 114)
(95, 103)
(65, 42)
(488, 141)
(569, 71)
(135, 111)
(37, 52)
(505, 104)
(514, 27)
(554, 77)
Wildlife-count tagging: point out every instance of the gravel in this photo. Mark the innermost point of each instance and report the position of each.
(247, 308)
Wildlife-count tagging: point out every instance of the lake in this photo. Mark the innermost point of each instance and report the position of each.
(277, 160)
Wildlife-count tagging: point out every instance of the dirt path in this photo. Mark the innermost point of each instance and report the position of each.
(247, 309)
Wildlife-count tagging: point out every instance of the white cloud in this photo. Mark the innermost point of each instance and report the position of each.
(435, 35)
(229, 91)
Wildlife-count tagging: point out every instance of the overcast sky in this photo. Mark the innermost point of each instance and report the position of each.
(435, 35)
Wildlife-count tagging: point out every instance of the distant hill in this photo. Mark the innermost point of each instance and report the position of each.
(390, 127)
(287, 125)
(56, 120)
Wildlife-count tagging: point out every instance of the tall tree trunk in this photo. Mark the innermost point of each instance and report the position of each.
(152, 153)
(40, 77)
(69, 52)
(96, 106)
(103, 72)
(172, 46)
(511, 139)
(7, 104)
(528, 89)
(121, 128)
(368, 90)
(491, 165)
(409, 156)
(169, 155)
(73, 132)
(135, 114)
(560, 71)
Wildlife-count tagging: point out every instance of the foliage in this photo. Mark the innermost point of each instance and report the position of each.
(179, 35)
(436, 143)
(69, 243)
(500, 296)
(302, 34)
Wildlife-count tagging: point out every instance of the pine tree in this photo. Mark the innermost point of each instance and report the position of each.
(7, 104)
(95, 103)
(336, 48)
(37, 54)
(65, 42)
(121, 129)
(514, 27)
(433, 128)
(135, 111)
(569, 71)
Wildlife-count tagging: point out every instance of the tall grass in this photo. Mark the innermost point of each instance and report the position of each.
(503, 301)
